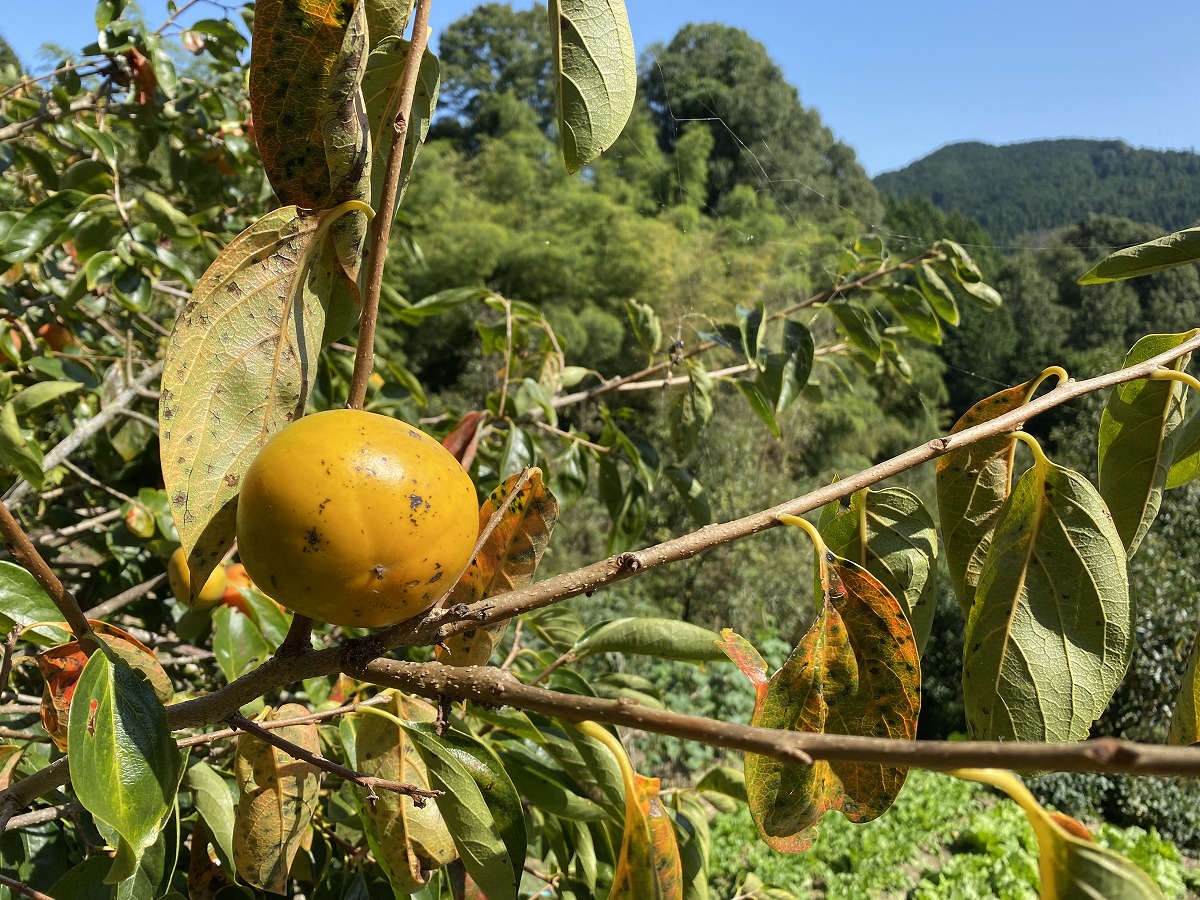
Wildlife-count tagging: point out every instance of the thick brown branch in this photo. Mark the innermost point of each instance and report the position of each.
(439, 626)
(381, 225)
(491, 686)
(368, 782)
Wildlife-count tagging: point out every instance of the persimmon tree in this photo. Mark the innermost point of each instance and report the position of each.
(455, 753)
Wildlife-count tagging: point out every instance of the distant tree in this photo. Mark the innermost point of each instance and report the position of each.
(8, 56)
(763, 136)
(496, 49)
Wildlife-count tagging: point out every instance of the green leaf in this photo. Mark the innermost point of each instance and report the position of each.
(937, 292)
(915, 312)
(436, 304)
(691, 409)
(160, 62)
(101, 140)
(891, 534)
(1185, 447)
(1071, 867)
(985, 296)
(246, 341)
(749, 320)
(125, 767)
(39, 227)
(662, 638)
(23, 602)
(381, 92)
(784, 374)
(959, 261)
(237, 642)
(1136, 443)
(759, 404)
(480, 805)
(106, 11)
(855, 672)
(40, 394)
(860, 330)
(692, 493)
(214, 799)
(170, 221)
(724, 780)
(646, 326)
(595, 71)
(1185, 719)
(546, 787)
(1052, 598)
(1181, 248)
(972, 485)
(278, 798)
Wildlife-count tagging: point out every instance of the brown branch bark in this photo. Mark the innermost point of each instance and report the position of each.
(381, 225)
(28, 557)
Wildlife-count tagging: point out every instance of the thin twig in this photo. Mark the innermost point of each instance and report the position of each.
(28, 557)
(46, 814)
(369, 783)
(323, 715)
(123, 599)
(515, 650)
(381, 225)
(10, 644)
(86, 431)
(20, 887)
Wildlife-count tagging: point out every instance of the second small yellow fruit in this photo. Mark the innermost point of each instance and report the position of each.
(180, 580)
(355, 519)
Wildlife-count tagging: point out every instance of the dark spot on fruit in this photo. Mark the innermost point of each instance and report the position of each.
(437, 576)
(312, 539)
(378, 570)
(321, 508)
(415, 501)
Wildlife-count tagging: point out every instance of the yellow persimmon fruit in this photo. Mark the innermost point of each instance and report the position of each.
(180, 580)
(355, 519)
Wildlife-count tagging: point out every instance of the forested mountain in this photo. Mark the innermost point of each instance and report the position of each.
(1017, 189)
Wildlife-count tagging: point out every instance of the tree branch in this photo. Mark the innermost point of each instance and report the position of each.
(27, 555)
(381, 225)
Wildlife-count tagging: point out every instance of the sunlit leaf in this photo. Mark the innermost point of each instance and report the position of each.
(646, 325)
(278, 798)
(595, 69)
(23, 602)
(506, 561)
(1071, 867)
(1136, 445)
(1181, 248)
(125, 767)
(972, 484)
(648, 867)
(214, 799)
(661, 638)
(240, 365)
(1052, 598)
(410, 842)
(480, 805)
(691, 409)
(855, 672)
(891, 534)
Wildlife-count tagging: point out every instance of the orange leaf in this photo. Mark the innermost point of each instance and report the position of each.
(648, 848)
(855, 672)
(507, 559)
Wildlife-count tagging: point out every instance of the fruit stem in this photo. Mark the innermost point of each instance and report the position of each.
(381, 225)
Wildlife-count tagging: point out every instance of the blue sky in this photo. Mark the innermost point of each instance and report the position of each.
(897, 80)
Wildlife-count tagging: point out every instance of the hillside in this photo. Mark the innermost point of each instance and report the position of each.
(1016, 189)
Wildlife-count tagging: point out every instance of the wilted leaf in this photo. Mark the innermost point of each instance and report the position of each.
(506, 561)
(239, 367)
(596, 75)
(305, 76)
(648, 867)
(891, 534)
(972, 484)
(1052, 599)
(277, 802)
(61, 667)
(646, 325)
(125, 767)
(855, 672)
(1136, 445)
(409, 842)
(937, 292)
(1071, 867)
(1181, 248)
